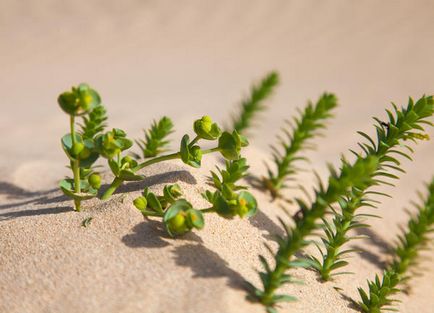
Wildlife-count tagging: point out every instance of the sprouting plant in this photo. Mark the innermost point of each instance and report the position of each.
(357, 176)
(111, 144)
(156, 141)
(403, 124)
(86, 221)
(253, 104)
(378, 296)
(306, 126)
(180, 217)
(80, 147)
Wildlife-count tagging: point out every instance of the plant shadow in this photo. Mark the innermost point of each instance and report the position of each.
(35, 212)
(205, 263)
(51, 196)
(151, 234)
(373, 239)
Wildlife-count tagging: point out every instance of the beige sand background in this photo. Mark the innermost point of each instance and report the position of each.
(185, 59)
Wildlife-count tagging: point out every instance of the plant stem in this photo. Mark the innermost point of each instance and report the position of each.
(196, 139)
(112, 188)
(208, 210)
(75, 165)
(118, 181)
(162, 158)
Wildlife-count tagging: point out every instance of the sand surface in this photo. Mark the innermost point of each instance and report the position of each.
(149, 59)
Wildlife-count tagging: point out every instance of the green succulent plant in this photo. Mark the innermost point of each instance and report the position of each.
(179, 216)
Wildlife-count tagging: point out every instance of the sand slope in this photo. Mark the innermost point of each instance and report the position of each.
(184, 60)
(123, 263)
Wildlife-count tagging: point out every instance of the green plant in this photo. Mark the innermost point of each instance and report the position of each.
(305, 127)
(155, 141)
(111, 145)
(253, 104)
(81, 101)
(357, 176)
(378, 296)
(403, 124)
(180, 217)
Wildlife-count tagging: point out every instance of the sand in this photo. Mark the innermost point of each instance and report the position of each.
(153, 58)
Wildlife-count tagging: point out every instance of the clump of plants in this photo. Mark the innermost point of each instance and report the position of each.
(378, 297)
(356, 176)
(179, 216)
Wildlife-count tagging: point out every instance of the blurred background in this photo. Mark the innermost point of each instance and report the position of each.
(188, 58)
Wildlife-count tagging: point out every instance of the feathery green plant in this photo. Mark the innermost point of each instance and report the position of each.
(252, 105)
(355, 175)
(403, 124)
(156, 141)
(358, 176)
(305, 127)
(179, 216)
(378, 297)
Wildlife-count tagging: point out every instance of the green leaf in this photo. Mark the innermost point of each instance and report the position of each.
(67, 186)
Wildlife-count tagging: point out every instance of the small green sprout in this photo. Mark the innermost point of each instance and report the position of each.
(86, 221)
(378, 296)
(156, 141)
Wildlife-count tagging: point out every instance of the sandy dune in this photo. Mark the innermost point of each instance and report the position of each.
(149, 59)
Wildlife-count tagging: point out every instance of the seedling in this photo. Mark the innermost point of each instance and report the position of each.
(155, 141)
(357, 176)
(86, 221)
(402, 125)
(254, 103)
(303, 128)
(378, 296)
(82, 101)
(179, 216)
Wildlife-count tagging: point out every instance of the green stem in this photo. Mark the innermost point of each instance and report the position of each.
(162, 158)
(118, 181)
(196, 139)
(112, 188)
(216, 149)
(75, 165)
(208, 210)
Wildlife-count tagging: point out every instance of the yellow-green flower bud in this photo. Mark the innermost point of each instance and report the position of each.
(140, 203)
(177, 224)
(76, 149)
(95, 181)
(84, 154)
